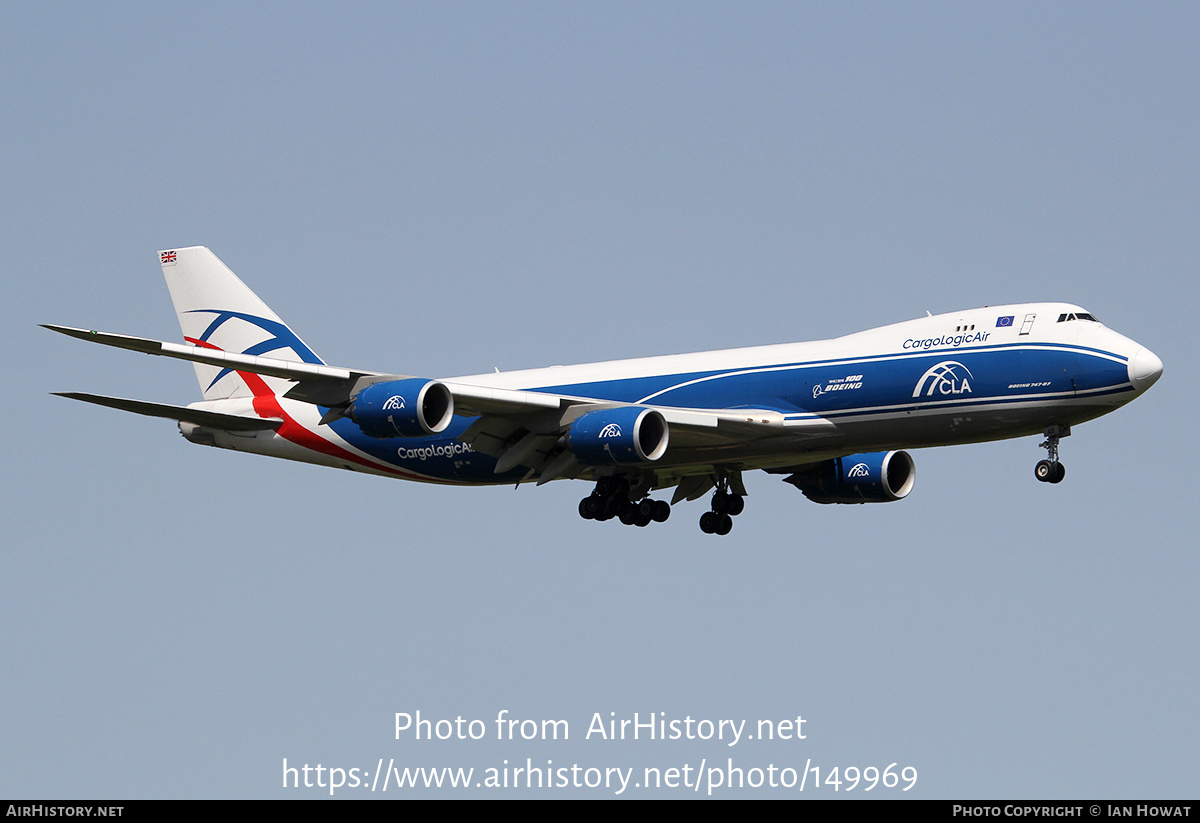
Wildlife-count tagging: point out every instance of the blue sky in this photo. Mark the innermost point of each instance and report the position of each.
(440, 189)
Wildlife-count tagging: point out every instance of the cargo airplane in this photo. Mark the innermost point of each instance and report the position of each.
(831, 416)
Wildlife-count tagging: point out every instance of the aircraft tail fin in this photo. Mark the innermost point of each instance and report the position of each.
(217, 310)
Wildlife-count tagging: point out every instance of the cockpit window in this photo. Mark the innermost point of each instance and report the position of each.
(1079, 315)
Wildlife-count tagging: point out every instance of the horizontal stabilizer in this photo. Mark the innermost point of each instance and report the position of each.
(270, 366)
(209, 419)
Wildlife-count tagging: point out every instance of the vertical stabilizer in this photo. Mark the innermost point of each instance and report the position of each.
(216, 310)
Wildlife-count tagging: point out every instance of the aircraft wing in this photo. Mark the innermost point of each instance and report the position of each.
(332, 385)
(517, 427)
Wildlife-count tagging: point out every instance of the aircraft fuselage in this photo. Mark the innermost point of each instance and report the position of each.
(970, 376)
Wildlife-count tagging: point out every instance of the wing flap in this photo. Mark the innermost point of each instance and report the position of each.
(699, 428)
(473, 400)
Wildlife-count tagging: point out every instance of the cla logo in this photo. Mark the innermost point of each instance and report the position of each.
(394, 402)
(611, 430)
(860, 470)
(946, 378)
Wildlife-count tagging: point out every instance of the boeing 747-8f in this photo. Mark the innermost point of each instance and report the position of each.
(831, 416)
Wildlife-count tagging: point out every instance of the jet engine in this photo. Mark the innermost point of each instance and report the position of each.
(413, 407)
(879, 477)
(622, 436)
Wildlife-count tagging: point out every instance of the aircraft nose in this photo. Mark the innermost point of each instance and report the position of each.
(1144, 369)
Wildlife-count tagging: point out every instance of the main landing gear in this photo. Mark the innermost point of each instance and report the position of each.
(617, 496)
(611, 499)
(1051, 471)
(725, 507)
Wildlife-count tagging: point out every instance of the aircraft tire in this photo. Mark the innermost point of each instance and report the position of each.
(724, 524)
(1060, 471)
(737, 505)
(1043, 471)
(587, 510)
(707, 524)
(662, 510)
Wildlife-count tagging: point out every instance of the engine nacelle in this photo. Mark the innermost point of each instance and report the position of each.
(403, 408)
(879, 477)
(622, 436)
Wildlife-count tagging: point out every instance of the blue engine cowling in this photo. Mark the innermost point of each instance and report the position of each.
(879, 477)
(622, 436)
(403, 408)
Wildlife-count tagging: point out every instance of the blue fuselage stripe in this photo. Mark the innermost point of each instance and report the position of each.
(845, 390)
(823, 387)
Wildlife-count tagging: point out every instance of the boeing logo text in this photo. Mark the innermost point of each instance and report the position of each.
(831, 417)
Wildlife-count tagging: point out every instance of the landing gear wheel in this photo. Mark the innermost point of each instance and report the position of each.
(1049, 471)
(607, 511)
(713, 523)
(725, 503)
(662, 510)
(649, 511)
(721, 502)
(1044, 470)
(589, 507)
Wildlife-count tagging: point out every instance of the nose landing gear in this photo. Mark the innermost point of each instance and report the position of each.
(1050, 470)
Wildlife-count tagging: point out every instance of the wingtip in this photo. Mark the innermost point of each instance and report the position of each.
(70, 331)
